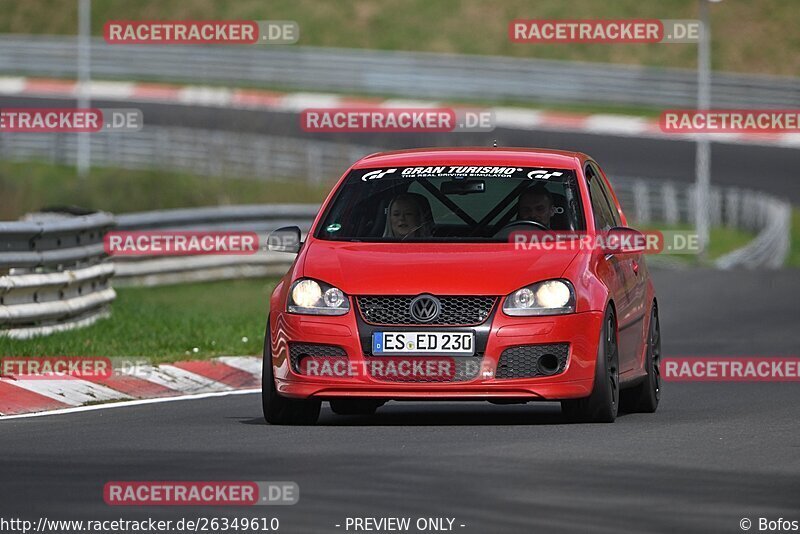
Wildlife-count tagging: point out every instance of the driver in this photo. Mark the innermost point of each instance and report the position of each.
(536, 204)
(409, 215)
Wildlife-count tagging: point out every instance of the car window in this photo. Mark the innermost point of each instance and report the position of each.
(607, 195)
(451, 203)
(603, 216)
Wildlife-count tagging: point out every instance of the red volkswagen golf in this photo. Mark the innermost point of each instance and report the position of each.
(418, 281)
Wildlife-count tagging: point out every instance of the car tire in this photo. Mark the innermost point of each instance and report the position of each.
(280, 410)
(603, 404)
(644, 397)
(354, 406)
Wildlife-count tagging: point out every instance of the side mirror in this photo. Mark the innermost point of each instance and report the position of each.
(286, 239)
(623, 240)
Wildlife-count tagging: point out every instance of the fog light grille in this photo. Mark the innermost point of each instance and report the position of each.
(297, 351)
(529, 361)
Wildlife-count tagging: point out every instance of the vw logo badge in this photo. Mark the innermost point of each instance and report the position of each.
(425, 308)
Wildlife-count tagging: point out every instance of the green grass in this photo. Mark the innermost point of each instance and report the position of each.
(724, 240)
(27, 187)
(166, 324)
(747, 36)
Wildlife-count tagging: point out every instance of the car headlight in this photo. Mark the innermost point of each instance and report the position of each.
(551, 297)
(317, 298)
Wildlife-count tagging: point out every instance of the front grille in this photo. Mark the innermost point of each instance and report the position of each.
(455, 311)
(300, 350)
(466, 368)
(522, 361)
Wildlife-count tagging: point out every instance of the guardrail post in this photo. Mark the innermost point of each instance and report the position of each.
(732, 203)
(670, 199)
(641, 201)
(314, 163)
(715, 207)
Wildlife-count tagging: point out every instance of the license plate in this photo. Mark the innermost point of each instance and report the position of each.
(457, 343)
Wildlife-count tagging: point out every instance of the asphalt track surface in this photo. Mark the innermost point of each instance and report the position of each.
(774, 170)
(712, 454)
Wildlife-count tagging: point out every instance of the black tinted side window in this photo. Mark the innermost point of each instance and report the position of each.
(607, 195)
(603, 218)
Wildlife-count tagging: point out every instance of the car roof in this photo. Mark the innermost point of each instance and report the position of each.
(537, 157)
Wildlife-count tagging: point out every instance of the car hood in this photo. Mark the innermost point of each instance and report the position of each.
(437, 268)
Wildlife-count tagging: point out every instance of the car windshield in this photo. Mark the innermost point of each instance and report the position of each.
(451, 203)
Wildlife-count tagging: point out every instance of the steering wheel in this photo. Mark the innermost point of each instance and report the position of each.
(506, 230)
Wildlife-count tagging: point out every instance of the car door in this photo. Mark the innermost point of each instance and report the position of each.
(621, 281)
(637, 278)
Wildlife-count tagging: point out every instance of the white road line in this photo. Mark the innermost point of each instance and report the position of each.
(130, 403)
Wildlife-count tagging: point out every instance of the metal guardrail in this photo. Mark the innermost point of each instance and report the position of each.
(53, 273)
(671, 203)
(195, 151)
(404, 74)
(771, 247)
(262, 219)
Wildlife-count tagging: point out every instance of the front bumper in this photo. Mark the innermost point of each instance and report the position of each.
(581, 331)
